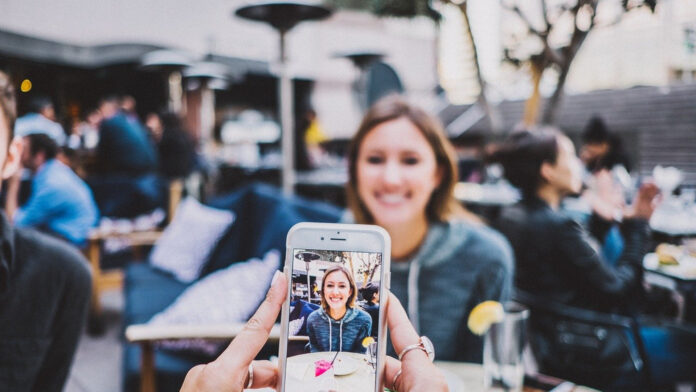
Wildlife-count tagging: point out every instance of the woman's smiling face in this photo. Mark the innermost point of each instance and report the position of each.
(397, 173)
(336, 290)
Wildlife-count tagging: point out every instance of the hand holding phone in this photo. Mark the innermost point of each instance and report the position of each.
(418, 373)
(333, 330)
(231, 370)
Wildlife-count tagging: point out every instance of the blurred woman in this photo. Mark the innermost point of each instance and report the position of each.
(177, 155)
(553, 256)
(402, 173)
(339, 325)
(557, 261)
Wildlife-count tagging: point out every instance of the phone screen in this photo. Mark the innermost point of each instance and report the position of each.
(333, 321)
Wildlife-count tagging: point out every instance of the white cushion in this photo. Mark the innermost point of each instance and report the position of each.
(225, 296)
(190, 237)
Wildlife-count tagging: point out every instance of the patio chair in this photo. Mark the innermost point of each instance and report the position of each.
(105, 278)
(262, 219)
(600, 350)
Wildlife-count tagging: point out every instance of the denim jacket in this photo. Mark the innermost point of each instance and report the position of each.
(346, 334)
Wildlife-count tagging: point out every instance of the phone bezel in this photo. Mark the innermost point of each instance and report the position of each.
(346, 237)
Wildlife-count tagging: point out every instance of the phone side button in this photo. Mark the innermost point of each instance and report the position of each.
(387, 280)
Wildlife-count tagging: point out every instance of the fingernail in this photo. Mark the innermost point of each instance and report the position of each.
(275, 277)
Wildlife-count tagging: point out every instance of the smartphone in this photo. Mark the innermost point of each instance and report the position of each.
(333, 329)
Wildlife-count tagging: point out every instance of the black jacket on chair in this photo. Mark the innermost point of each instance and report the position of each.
(555, 258)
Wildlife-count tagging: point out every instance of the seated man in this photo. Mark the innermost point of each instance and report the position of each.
(60, 202)
(44, 289)
(40, 119)
(125, 184)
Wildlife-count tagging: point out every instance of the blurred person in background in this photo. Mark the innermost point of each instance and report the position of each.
(601, 148)
(370, 294)
(608, 183)
(127, 104)
(40, 119)
(402, 173)
(556, 260)
(85, 134)
(175, 148)
(44, 288)
(60, 203)
(126, 182)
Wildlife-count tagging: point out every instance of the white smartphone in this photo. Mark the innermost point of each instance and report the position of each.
(333, 329)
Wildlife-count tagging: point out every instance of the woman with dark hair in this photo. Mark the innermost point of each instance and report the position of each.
(555, 258)
(339, 325)
(553, 255)
(370, 293)
(402, 173)
(177, 155)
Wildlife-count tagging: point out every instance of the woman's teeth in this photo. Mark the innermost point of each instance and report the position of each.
(392, 199)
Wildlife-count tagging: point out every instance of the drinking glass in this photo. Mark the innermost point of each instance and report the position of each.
(372, 354)
(502, 351)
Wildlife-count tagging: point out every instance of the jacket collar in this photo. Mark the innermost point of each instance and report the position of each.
(535, 202)
(7, 262)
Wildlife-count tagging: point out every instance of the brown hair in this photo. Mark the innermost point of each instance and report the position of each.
(442, 205)
(353, 287)
(8, 105)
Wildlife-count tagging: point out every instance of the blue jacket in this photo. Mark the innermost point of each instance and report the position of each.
(60, 203)
(346, 334)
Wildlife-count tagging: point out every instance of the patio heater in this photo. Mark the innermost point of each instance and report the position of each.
(283, 16)
(170, 62)
(208, 76)
(362, 61)
(308, 257)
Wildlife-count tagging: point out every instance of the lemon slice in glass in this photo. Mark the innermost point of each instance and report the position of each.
(485, 314)
(368, 341)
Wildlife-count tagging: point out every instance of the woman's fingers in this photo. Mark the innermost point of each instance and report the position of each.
(265, 375)
(251, 339)
(402, 332)
(391, 367)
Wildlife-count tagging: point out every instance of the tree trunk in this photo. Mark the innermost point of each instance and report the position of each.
(531, 107)
(554, 103)
(493, 118)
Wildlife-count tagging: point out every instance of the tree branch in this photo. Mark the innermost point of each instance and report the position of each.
(530, 26)
(545, 12)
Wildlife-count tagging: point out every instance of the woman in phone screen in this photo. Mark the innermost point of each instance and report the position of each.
(339, 325)
(402, 173)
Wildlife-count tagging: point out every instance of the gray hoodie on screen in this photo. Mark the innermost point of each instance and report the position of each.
(346, 334)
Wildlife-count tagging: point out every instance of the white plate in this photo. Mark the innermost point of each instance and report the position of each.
(344, 366)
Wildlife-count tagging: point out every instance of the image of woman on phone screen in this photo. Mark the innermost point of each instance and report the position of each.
(338, 325)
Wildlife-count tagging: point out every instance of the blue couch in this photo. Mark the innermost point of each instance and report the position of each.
(263, 218)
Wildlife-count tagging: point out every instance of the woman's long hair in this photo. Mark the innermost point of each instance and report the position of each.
(442, 205)
(353, 287)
